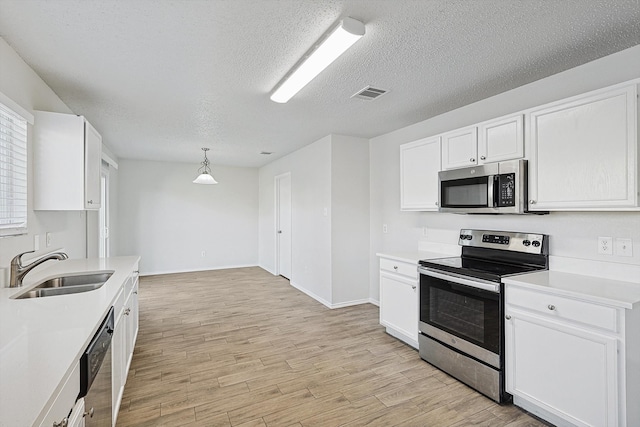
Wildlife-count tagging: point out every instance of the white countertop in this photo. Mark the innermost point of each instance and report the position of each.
(615, 293)
(41, 339)
(412, 257)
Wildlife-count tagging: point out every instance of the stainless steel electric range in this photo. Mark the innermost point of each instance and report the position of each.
(462, 304)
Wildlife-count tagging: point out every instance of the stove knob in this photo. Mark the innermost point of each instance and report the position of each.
(526, 242)
(469, 236)
(536, 243)
(462, 237)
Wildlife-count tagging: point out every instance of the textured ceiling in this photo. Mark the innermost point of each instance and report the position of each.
(161, 78)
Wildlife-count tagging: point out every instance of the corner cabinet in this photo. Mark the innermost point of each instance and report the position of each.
(67, 158)
(491, 141)
(566, 360)
(124, 338)
(583, 152)
(399, 299)
(419, 167)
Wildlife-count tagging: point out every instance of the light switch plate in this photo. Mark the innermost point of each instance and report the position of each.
(624, 247)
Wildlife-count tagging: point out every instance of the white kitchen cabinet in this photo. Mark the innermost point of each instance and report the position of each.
(460, 148)
(64, 401)
(491, 141)
(566, 358)
(419, 167)
(67, 159)
(76, 418)
(501, 139)
(124, 338)
(399, 299)
(583, 152)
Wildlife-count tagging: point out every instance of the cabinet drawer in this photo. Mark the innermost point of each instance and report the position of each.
(564, 308)
(399, 267)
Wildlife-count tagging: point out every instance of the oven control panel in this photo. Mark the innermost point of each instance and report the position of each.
(505, 240)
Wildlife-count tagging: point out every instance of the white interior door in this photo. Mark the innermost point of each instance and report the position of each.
(104, 213)
(283, 225)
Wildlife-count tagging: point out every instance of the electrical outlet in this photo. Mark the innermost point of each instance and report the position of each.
(385, 229)
(36, 242)
(424, 231)
(624, 247)
(48, 239)
(203, 254)
(605, 245)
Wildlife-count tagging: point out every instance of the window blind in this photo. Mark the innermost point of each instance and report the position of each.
(13, 172)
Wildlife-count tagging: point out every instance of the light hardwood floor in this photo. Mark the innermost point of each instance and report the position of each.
(241, 347)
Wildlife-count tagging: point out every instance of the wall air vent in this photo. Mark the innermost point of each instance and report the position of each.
(369, 93)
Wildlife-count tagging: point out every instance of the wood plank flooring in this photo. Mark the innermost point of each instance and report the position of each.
(241, 347)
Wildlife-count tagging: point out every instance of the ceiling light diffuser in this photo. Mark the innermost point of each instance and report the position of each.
(342, 37)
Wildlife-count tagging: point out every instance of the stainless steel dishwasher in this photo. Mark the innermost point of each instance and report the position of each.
(95, 376)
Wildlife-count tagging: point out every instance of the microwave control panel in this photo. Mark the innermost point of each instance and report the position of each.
(506, 189)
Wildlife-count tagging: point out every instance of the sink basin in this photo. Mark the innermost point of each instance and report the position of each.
(64, 285)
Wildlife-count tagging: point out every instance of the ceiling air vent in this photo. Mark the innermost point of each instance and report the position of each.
(369, 93)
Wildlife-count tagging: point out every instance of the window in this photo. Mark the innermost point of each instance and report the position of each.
(13, 167)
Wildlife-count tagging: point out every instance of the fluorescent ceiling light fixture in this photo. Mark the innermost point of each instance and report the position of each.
(342, 37)
(204, 172)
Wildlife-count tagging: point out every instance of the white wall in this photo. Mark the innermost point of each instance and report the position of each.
(68, 229)
(310, 169)
(349, 220)
(169, 221)
(329, 219)
(573, 234)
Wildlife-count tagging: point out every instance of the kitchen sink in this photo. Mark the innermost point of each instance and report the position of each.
(64, 285)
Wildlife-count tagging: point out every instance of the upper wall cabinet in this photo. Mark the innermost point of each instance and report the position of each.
(490, 141)
(460, 148)
(67, 157)
(419, 166)
(583, 152)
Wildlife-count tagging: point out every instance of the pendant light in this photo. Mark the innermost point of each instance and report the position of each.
(204, 172)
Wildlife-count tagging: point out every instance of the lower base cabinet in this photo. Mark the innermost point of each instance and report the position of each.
(566, 360)
(399, 299)
(124, 339)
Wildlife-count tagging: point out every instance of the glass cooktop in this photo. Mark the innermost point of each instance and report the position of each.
(479, 268)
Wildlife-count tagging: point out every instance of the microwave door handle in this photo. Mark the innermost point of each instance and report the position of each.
(491, 190)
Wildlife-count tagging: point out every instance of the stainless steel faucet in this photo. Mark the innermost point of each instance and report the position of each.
(18, 271)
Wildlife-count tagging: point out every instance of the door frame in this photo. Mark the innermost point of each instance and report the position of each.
(103, 221)
(276, 221)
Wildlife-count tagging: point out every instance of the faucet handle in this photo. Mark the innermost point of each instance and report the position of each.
(18, 258)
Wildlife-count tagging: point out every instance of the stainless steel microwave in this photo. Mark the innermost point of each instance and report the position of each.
(493, 188)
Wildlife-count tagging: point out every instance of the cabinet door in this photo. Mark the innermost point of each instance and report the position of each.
(583, 152)
(419, 167)
(567, 371)
(92, 164)
(460, 148)
(118, 356)
(76, 419)
(399, 306)
(501, 139)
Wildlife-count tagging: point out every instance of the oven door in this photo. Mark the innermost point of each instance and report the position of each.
(463, 313)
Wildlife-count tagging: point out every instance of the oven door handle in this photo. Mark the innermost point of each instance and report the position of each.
(451, 277)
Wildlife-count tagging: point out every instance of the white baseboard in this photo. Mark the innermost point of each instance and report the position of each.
(327, 303)
(311, 294)
(374, 302)
(226, 267)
